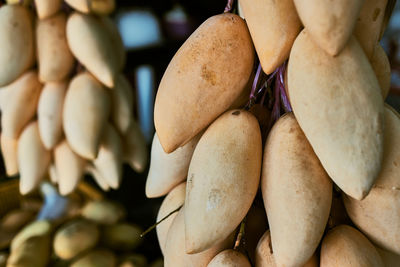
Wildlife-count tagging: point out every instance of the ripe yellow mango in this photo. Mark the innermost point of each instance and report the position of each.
(47, 8)
(378, 215)
(346, 247)
(381, 65)
(229, 258)
(369, 24)
(223, 178)
(338, 104)
(329, 23)
(265, 254)
(33, 252)
(174, 253)
(33, 158)
(294, 181)
(20, 103)
(273, 26)
(109, 159)
(36, 228)
(172, 201)
(98, 54)
(85, 114)
(69, 168)
(55, 59)
(17, 42)
(9, 153)
(122, 104)
(204, 79)
(168, 170)
(135, 151)
(49, 113)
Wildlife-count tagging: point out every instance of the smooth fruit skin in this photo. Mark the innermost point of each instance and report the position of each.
(17, 42)
(69, 168)
(9, 153)
(47, 8)
(174, 253)
(135, 151)
(49, 113)
(122, 104)
(378, 215)
(204, 78)
(346, 247)
(20, 103)
(33, 158)
(369, 25)
(264, 254)
(330, 23)
(297, 193)
(223, 178)
(381, 65)
(171, 202)
(168, 170)
(339, 106)
(55, 59)
(229, 258)
(109, 159)
(98, 54)
(85, 114)
(273, 26)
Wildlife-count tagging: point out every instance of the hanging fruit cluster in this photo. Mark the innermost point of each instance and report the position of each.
(66, 107)
(211, 158)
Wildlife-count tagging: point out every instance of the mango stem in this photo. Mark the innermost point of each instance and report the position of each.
(160, 221)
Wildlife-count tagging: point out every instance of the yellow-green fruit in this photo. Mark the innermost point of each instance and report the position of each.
(36, 228)
(199, 81)
(103, 212)
(133, 260)
(33, 252)
(74, 238)
(273, 34)
(96, 258)
(229, 258)
(338, 104)
(122, 236)
(223, 178)
(346, 247)
(293, 180)
(378, 214)
(55, 59)
(17, 42)
(330, 23)
(16, 219)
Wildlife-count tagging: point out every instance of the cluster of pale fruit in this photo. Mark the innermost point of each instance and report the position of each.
(58, 117)
(340, 132)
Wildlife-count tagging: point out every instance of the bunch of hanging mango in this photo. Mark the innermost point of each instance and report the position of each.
(327, 171)
(66, 107)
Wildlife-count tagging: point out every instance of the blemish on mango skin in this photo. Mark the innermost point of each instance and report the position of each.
(208, 75)
(236, 113)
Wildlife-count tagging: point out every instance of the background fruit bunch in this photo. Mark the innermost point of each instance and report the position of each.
(66, 106)
(297, 157)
